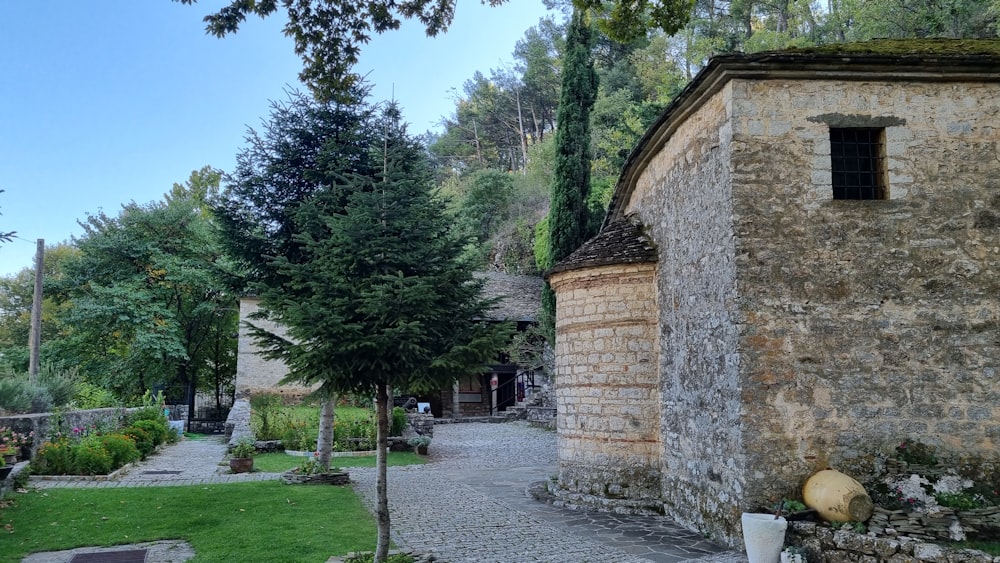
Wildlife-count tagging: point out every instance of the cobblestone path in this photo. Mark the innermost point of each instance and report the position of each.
(469, 505)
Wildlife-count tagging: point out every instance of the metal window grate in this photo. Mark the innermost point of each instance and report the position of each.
(858, 163)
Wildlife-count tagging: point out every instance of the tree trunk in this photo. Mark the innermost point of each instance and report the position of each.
(324, 443)
(521, 133)
(381, 489)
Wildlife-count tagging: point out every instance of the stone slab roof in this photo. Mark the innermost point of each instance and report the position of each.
(621, 242)
(520, 296)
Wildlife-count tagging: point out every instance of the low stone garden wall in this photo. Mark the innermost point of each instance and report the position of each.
(423, 424)
(41, 423)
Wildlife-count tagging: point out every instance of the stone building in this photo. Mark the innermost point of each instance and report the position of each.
(798, 269)
(518, 301)
(254, 373)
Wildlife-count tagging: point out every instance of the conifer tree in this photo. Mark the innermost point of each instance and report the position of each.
(380, 299)
(568, 220)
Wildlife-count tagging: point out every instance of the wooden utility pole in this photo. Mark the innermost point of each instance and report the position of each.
(35, 334)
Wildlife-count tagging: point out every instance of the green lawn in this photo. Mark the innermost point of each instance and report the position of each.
(279, 462)
(263, 521)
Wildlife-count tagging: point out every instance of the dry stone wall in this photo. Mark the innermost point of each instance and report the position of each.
(607, 387)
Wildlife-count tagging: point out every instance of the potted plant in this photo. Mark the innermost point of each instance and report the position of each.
(241, 456)
(419, 444)
(11, 443)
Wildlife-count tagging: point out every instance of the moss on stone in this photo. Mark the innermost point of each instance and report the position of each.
(904, 47)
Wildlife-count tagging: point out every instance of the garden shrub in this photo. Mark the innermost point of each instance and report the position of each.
(90, 396)
(354, 434)
(41, 401)
(143, 441)
(90, 457)
(299, 435)
(53, 458)
(157, 429)
(398, 421)
(267, 417)
(60, 384)
(121, 448)
(15, 394)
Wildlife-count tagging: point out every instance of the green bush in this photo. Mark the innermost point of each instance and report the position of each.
(121, 448)
(15, 394)
(90, 396)
(158, 429)
(60, 384)
(90, 457)
(143, 440)
(53, 458)
(960, 501)
(354, 434)
(299, 435)
(267, 417)
(398, 421)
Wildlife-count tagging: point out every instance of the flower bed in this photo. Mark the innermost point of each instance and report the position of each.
(103, 447)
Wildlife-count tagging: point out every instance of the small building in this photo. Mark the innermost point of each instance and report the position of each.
(518, 301)
(798, 269)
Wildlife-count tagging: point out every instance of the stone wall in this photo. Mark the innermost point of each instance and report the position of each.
(254, 373)
(826, 545)
(866, 322)
(797, 331)
(41, 424)
(684, 198)
(606, 381)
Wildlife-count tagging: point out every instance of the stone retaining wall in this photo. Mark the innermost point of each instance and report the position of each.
(826, 545)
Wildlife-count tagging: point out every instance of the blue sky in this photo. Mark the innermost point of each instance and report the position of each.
(103, 102)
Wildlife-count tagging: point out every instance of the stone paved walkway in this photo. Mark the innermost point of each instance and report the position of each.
(469, 505)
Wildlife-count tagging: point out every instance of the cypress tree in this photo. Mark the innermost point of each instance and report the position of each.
(568, 219)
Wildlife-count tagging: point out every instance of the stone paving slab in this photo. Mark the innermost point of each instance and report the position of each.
(470, 505)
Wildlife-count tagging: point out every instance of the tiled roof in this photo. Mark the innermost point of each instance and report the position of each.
(620, 242)
(520, 296)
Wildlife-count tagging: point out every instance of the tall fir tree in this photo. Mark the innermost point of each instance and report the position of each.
(380, 298)
(568, 221)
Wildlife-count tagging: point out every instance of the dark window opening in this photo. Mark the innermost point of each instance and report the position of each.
(858, 163)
